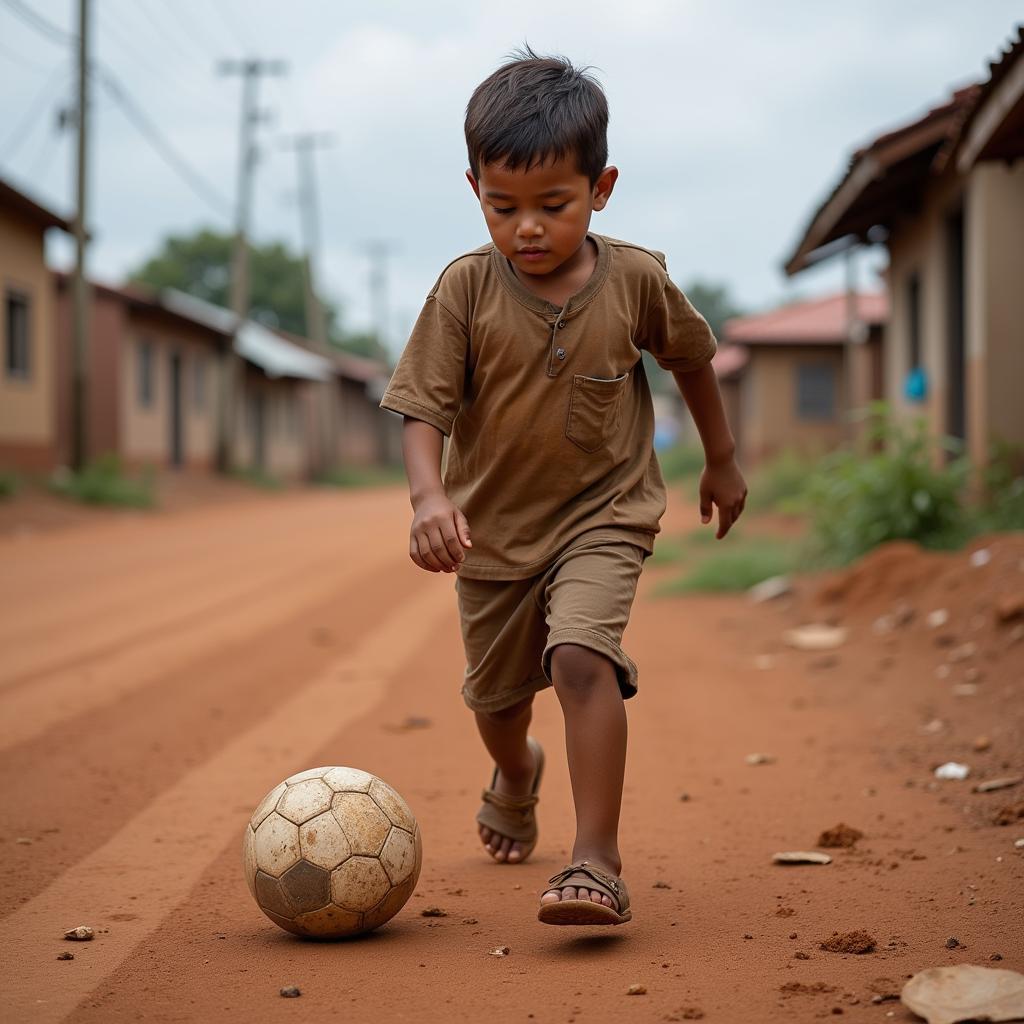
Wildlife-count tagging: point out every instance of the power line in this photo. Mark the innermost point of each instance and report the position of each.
(32, 113)
(47, 28)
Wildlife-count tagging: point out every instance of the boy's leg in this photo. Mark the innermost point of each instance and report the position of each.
(504, 736)
(595, 738)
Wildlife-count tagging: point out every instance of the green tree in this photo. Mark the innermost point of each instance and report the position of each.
(200, 264)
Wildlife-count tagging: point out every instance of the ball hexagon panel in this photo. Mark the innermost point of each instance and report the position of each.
(271, 897)
(348, 780)
(359, 884)
(306, 887)
(266, 806)
(392, 805)
(305, 800)
(331, 920)
(390, 905)
(399, 855)
(362, 821)
(310, 773)
(276, 845)
(322, 841)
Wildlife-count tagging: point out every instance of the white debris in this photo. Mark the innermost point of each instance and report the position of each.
(83, 933)
(801, 857)
(1019, 844)
(937, 619)
(980, 558)
(500, 951)
(769, 589)
(935, 725)
(949, 995)
(816, 636)
(952, 770)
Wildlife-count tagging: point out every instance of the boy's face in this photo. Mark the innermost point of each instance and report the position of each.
(538, 218)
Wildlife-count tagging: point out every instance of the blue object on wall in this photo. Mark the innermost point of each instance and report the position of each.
(915, 387)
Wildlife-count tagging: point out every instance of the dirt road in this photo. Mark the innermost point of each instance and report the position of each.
(160, 674)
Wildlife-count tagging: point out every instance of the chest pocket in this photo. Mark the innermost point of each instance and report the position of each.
(595, 409)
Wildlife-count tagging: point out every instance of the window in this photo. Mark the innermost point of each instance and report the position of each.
(816, 391)
(17, 355)
(199, 383)
(145, 370)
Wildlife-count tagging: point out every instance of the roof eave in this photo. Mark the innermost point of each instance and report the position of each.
(990, 116)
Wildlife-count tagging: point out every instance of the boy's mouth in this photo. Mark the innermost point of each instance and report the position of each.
(532, 253)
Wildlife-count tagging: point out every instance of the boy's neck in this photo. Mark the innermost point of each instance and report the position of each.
(566, 280)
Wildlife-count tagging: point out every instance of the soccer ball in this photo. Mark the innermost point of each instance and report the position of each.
(332, 852)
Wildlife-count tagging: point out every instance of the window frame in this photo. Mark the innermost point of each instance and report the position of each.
(16, 293)
(809, 405)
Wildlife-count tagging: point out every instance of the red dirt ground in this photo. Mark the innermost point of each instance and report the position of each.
(161, 672)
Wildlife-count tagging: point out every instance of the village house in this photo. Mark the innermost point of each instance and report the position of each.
(28, 400)
(786, 377)
(946, 195)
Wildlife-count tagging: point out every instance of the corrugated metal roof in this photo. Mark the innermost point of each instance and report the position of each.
(816, 321)
(277, 357)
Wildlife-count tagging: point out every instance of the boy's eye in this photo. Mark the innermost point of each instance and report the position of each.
(555, 209)
(503, 209)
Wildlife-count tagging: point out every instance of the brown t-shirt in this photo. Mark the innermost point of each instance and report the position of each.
(548, 409)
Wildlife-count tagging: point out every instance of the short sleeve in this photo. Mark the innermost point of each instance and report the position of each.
(428, 382)
(675, 333)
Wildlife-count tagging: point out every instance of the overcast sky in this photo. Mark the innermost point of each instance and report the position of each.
(730, 120)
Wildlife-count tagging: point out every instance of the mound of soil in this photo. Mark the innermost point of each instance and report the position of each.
(849, 942)
(842, 837)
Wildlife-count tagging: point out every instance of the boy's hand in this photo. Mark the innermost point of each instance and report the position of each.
(439, 534)
(722, 483)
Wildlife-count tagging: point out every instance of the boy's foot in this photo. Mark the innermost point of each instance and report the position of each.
(595, 896)
(507, 819)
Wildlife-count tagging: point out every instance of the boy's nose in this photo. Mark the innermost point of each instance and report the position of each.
(529, 228)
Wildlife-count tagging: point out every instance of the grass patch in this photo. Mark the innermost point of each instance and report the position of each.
(8, 484)
(681, 461)
(737, 567)
(257, 477)
(361, 476)
(780, 485)
(103, 482)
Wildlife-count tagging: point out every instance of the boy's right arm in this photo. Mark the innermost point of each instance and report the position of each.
(440, 532)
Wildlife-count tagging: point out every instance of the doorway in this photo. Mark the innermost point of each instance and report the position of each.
(956, 370)
(177, 431)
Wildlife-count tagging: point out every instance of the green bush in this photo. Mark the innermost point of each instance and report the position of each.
(737, 567)
(102, 482)
(361, 476)
(681, 461)
(8, 484)
(905, 490)
(779, 484)
(1002, 507)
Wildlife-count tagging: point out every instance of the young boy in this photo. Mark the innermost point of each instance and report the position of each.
(527, 354)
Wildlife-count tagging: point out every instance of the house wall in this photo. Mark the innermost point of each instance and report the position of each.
(285, 405)
(28, 421)
(768, 401)
(359, 424)
(994, 247)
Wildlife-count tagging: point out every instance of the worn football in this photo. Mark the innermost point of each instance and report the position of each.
(332, 852)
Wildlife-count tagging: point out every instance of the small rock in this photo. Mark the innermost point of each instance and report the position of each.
(754, 759)
(980, 558)
(470, 920)
(65, 956)
(1009, 607)
(661, 885)
(952, 770)
(23, 841)
(996, 956)
(636, 990)
(801, 857)
(500, 951)
(840, 837)
(83, 933)
(769, 589)
(981, 744)
(937, 619)
(952, 942)
(849, 942)
(433, 912)
(291, 992)
(964, 690)
(800, 955)
(935, 725)
(991, 785)
(816, 636)
(1018, 844)
(963, 652)
(747, 935)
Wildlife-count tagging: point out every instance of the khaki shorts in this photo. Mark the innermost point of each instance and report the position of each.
(510, 627)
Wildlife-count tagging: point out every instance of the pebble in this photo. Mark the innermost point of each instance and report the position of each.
(980, 558)
(500, 951)
(937, 619)
(1019, 844)
(83, 933)
(753, 759)
(952, 770)
(291, 992)
(636, 990)
(65, 956)
(952, 942)
(981, 743)
(963, 652)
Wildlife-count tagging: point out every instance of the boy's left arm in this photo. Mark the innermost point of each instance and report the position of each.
(721, 483)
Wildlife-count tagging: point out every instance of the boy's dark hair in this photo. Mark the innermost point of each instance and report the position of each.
(534, 109)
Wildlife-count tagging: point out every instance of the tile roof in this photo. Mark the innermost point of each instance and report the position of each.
(815, 321)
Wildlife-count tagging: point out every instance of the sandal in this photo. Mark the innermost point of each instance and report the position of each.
(514, 816)
(585, 876)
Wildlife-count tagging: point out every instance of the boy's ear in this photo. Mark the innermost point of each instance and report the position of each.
(603, 187)
(473, 183)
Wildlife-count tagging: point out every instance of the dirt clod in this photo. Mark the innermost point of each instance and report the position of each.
(686, 1013)
(952, 942)
(65, 956)
(636, 990)
(433, 912)
(798, 988)
(291, 992)
(1009, 814)
(849, 942)
(659, 884)
(841, 837)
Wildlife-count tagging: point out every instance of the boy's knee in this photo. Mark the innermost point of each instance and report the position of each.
(577, 671)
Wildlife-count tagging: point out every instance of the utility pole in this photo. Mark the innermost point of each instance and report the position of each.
(80, 285)
(250, 70)
(305, 144)
(379, 252)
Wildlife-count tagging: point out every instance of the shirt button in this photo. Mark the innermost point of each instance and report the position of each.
(560, 324)
(560, 353)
